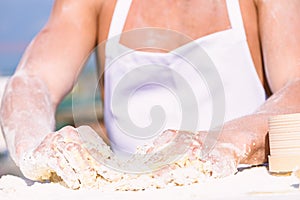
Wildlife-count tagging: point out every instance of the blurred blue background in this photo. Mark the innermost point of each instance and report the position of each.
(20, 21)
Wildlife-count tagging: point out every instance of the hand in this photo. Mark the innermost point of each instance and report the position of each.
(222, 158)
(63, 155)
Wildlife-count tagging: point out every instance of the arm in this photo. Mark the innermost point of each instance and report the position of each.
(243, 140)
(46, 74)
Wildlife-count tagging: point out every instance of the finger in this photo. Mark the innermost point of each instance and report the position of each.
(223, 168)
(46, 161)
(108, 163)
(94, 144)
(58, 163)
(57, 160)
(89, 164)
(222, 163)
(34, 164)
(82, 163)
(166, 137)
(34, 168)
(69, 134)
(172, 151)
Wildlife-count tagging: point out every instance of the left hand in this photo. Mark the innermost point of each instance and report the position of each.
(222, 157)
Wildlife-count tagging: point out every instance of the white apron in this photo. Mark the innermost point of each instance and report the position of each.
(147, 93)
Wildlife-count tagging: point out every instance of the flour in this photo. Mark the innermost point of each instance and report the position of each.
(255, 183)
(153, 166)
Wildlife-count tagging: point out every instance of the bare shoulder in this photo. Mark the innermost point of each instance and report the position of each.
(279, 27)
(83, 3)
(260, 3)
(92, 5)
(81, 10)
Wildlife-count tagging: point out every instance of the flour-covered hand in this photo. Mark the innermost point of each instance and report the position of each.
(62, 155)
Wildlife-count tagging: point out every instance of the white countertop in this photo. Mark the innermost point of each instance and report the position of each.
(251, 184)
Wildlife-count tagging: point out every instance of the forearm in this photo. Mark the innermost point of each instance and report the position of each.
(27, 114)
(249, 133)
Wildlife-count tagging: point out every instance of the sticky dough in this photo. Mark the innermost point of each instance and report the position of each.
(188, 169)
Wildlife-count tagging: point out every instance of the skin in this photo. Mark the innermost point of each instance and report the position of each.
(54, 59)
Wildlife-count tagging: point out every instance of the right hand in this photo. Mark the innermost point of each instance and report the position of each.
(61, 155)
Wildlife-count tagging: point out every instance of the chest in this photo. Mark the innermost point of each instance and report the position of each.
(192, 19)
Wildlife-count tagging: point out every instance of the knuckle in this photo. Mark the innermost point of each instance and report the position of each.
(73, 146)
(68, 128)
